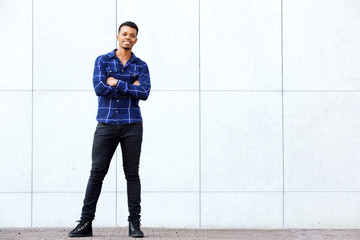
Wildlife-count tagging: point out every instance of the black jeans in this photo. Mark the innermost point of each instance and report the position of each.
(106, 140)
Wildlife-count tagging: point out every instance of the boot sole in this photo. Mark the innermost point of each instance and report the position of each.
(136, 235)
(80, 235)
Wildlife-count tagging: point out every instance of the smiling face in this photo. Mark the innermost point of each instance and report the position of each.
(127, 37)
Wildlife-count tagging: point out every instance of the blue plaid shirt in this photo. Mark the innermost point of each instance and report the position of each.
(120, 104)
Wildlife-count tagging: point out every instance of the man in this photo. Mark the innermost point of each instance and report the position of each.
(120, 81)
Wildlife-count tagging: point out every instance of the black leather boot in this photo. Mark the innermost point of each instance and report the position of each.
(83, 229)
(134, 229)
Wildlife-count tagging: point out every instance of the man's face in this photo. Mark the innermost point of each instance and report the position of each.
(127, 37)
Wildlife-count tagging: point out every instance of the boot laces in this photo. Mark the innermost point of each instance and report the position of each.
(81, 225)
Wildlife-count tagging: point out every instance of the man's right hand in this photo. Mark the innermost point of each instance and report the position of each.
(137, 83)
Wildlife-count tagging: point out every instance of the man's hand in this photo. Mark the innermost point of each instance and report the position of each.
(111, 81)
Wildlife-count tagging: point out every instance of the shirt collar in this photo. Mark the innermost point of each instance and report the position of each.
(113, 55)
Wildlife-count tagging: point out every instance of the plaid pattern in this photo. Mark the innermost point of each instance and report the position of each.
(120, 104)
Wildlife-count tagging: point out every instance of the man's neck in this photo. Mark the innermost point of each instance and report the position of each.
(123, 54)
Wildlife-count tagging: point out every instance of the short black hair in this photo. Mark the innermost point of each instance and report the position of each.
(129, 24)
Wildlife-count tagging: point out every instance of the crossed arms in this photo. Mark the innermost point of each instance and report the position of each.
(111, 87)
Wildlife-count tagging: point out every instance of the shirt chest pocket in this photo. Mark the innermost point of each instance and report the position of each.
(111, 72)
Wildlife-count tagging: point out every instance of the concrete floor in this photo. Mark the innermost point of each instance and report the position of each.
(184, 234)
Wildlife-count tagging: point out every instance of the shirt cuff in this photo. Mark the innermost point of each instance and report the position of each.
(121, 86)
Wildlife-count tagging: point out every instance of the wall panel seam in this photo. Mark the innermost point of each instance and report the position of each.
(32, 112)
(282, 114)
(199, 22)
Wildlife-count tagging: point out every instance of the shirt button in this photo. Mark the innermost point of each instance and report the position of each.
(117, 100)
(116, 111)
(122, 70)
